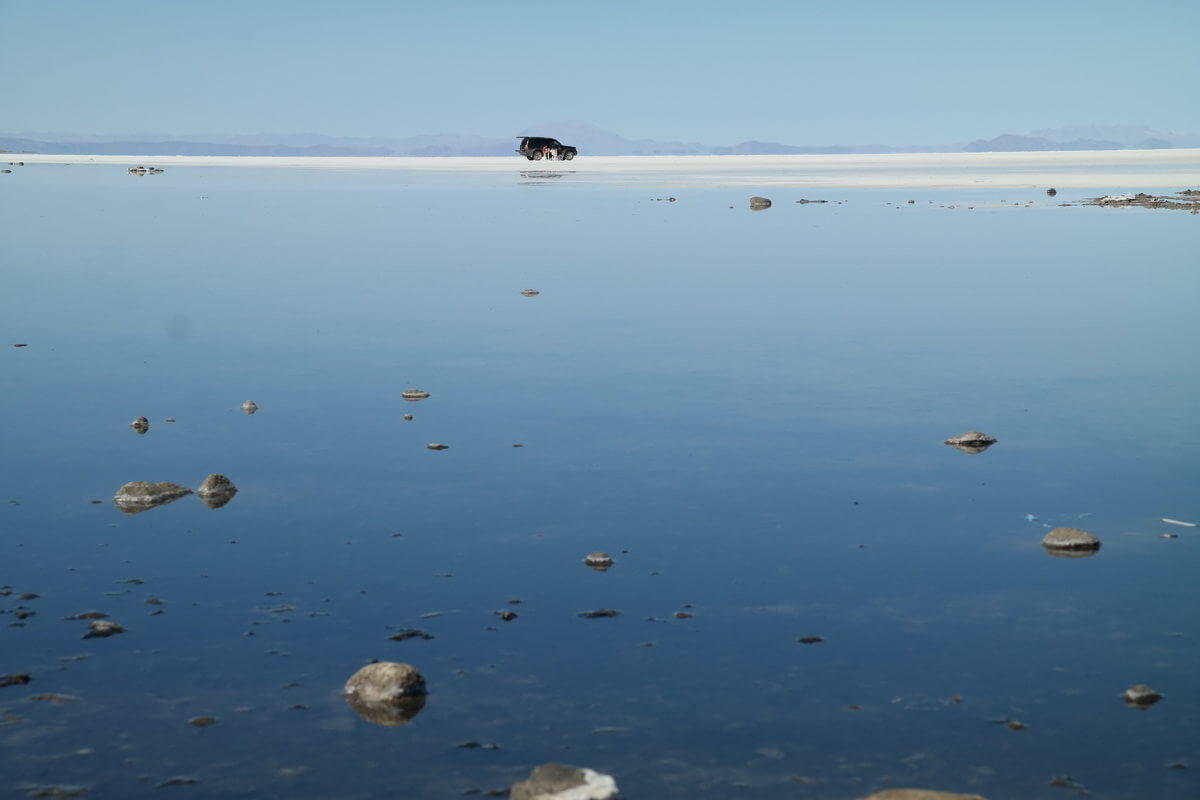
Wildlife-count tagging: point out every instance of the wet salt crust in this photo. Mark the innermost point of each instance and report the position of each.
(762, 455)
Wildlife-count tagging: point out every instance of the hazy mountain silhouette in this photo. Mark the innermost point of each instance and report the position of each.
(588, 138)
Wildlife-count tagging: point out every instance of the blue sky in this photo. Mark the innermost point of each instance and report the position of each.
(714, 72)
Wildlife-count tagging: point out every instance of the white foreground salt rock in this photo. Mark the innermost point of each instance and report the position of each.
(560, 782)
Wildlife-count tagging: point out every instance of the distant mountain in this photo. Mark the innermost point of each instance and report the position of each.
(1008, 143)
(590, 139)
(1085, 137)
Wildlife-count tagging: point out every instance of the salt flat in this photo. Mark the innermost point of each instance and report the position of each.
(1110, 169)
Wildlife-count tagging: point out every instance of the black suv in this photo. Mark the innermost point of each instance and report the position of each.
(535, 148)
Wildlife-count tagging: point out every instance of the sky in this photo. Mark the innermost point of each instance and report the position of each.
(798, 72)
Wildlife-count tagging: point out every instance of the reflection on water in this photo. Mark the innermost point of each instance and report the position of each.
(537, 176)
(746, 410)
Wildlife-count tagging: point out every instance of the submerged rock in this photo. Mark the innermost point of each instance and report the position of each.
(249, 406)
(971, 442)
(413, 395)
(1141, 696)
(560, 782)
(56, 791)
(598, 561)
(386, 693)
(138, 496)
(216, 491)
(1071, 542)
(14, 679)
(141, 424)
(759, 203)
(920, 794)
(599, 613)
(102, 629)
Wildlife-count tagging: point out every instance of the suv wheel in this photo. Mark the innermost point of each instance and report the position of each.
(568, 155)
(536, 155)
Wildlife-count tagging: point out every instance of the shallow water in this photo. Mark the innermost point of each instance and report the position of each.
(746, 409)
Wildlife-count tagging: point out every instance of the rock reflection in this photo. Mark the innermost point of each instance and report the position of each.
(388, 713)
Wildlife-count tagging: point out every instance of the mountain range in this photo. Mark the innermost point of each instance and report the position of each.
(588, 138)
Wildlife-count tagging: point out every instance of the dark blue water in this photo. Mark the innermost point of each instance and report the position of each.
(745, 409)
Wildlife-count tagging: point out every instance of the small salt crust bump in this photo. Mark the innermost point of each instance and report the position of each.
(1141, 696)
(972, 442)
(561, 782)
(598, 561)
(413, 395)
(102, 629)
(386, 693)
(1070, 542)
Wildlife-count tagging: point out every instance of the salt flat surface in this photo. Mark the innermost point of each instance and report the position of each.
(1111, 169)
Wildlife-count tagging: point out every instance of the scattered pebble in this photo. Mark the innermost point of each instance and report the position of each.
(249, 407)
(506, 615)
(14, 679)
(682, 615)
(88, 615)
(599, 612)
(530, 292)
(598, 561)
(141, 424)
(408, 417)
(1015, 725)
(21, 344)
(202, 722)
(414, 395)
(474, 745)
(1070, 542)
(51, 697)
(169, 419)
(386, 693)
(138, 496)
(1141, 696)
(437, 446)
(216, 491)
(560, 782)
(102, 629)
(971, 442)
(759, 203)
(1052, 191)
(809, 639)
(178, 780)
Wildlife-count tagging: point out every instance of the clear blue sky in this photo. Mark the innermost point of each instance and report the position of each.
(894, 72)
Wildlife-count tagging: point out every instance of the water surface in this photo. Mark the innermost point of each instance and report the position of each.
(746, 409)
